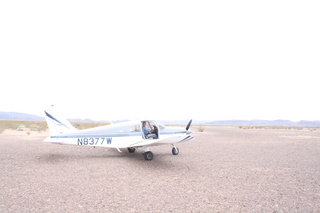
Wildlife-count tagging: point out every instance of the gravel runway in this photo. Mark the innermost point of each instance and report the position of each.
(225, 169)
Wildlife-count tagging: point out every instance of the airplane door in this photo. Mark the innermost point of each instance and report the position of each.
(155, 128)
(152, 129)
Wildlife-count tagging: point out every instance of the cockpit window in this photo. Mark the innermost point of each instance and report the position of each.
(161, 126)
(151, 124)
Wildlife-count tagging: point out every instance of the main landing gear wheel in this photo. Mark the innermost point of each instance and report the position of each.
(148, 155)
(175, 151)
(131, 149)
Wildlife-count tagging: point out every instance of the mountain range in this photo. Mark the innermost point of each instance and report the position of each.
(30, 117)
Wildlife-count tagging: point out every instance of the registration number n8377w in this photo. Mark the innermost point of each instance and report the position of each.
(94, 141)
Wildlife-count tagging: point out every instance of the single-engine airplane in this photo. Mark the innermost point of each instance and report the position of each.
(130, 135)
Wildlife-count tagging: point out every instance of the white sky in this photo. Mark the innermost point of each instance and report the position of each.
(162, 59)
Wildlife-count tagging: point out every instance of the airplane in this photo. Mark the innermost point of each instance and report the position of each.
(130, 135)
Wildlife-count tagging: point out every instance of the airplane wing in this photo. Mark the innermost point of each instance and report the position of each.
(145, 143)
(154, 142)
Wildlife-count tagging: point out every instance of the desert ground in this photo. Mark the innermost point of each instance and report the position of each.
(225, 169)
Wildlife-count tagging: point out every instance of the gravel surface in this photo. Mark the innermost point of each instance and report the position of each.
(225, 169)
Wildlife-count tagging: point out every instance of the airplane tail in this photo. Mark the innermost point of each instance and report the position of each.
(57, 125)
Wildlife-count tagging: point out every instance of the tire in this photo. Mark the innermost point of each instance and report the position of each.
(148, 155)
(131, 149)
(175, 151)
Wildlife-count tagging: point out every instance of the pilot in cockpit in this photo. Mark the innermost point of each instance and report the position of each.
(146, 132)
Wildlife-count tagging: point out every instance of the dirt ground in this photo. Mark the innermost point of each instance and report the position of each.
(225, 169)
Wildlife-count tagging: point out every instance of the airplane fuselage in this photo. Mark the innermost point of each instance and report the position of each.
(120, 140)
(130, 135)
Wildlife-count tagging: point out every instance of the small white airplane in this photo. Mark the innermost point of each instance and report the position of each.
(130, 135)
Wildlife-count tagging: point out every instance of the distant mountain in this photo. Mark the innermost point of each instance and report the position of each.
(264, 123)
(308, 123)
(29, 117)
(17, 116)
(244, 123)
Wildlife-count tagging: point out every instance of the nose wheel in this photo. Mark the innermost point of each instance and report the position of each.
(175, 150)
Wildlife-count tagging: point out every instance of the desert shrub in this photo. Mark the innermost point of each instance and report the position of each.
(4, 124)
(42, 125)
(200, 128)
(19, 125)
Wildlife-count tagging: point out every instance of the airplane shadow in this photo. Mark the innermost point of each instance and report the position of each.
(160, 160)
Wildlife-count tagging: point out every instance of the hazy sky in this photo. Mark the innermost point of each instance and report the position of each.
(162, 59)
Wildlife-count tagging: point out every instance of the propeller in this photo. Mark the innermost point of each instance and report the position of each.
(189, 124)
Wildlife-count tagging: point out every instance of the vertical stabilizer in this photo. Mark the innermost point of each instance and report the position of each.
(58, 126)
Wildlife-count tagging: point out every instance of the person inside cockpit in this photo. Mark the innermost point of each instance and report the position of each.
(146, 132)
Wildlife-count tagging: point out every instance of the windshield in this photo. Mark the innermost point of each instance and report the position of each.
(161, 126)
(151, 123)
